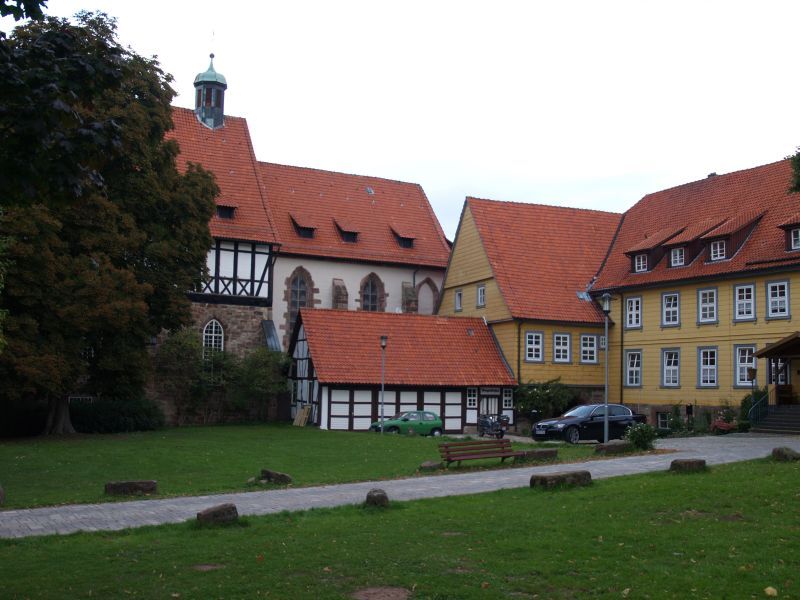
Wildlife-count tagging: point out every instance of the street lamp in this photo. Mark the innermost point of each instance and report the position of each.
(606, 304)
(384, 339)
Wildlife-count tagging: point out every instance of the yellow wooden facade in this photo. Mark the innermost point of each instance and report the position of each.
(724, 335)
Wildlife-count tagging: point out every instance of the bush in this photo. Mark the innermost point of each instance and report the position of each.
(676, 422)
(747, 403)
(114, 415)
(549, 398)
(641, 435)
(744, 426)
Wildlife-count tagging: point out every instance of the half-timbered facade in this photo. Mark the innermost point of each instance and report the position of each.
(449, 366)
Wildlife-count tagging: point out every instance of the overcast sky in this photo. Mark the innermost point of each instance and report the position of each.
(587, 104)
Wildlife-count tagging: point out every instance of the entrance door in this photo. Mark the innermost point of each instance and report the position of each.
(490, 405)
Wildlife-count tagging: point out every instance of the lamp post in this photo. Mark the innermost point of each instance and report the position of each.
(606, 304)
(384, 339)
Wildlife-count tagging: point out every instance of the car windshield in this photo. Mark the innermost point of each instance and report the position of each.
(579, 411)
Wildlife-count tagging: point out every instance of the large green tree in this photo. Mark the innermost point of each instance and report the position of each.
(105, 236)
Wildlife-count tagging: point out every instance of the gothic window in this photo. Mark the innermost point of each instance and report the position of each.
(372, 296)
(300, 295)
(213, 338)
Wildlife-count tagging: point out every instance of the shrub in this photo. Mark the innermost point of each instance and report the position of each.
(257, 378)
(115, 415)
(744, 426)
(676, 422)
(747, 403)
(641, 435)
(549, 398)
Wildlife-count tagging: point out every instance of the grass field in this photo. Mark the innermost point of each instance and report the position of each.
(728, 533)
(199, 460)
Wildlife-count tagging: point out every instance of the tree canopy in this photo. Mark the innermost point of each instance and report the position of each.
(105, 236)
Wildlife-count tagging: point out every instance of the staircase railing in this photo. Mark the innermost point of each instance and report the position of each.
(759, 409)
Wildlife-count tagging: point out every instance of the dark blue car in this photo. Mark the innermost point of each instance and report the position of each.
(586, 422)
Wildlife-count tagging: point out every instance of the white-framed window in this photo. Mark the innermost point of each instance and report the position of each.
(777, 371)
(481, 295)
(633, 368)
(534, 346)
(677, 256)
(707, 306)
(670, 309)
(588, 348)
(744, 302)
(745, 359)
(602, 342)
(508, 398)
(640, 263)
(777, 299)
(457, 299)
(561, 347)
(213, 338)
(633, 312)
(718, 250)
(472, 397)
(662, 420)
(670, 368)
(794, 239)
(708, 367)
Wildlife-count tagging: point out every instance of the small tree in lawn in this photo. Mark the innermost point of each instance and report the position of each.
(549, 398)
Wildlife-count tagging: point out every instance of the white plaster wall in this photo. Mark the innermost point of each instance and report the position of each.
(323, 272)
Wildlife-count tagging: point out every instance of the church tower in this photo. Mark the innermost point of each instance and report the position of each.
(209, 98)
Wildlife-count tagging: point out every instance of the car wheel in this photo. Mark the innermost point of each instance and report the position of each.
(436, 432)
(393, 430)
(572, 435)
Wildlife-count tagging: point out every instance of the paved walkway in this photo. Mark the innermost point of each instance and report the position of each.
(121, 515)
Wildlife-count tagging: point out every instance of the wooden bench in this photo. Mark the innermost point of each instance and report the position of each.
(477, 449)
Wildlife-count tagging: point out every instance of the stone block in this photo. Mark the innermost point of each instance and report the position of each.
(688, 465)
(131, 488)
(377, 497)
(275, 476)
(221, 513)
(540, 454)
(430, 465)
(613, 447)
(785, 454)
(563, 478)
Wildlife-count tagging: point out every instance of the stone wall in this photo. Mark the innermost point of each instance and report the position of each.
(240, 324)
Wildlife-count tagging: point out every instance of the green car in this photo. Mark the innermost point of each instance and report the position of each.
(420, 422)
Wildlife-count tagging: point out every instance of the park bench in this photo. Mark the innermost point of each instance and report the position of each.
(476, 450)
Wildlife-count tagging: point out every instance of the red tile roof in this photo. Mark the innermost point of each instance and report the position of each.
(368, 205)
(656, 239)
(421, 349)
(228, 153)
(736, 199)
(543, 256)
(733, 224)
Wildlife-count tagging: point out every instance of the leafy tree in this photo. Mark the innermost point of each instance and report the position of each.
(105, 235)
(549, 398)
(795, 160)
(19, 9)
(258, 377)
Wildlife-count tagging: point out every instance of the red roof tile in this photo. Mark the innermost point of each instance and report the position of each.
(543, 256)
(228, 153)
(367, 205)
(421, 349)
(737, 197)
(733, 225)
(656, 239)
(793, 220)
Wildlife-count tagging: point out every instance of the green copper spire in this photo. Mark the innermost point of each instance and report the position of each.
(209, 97)
(210, 75)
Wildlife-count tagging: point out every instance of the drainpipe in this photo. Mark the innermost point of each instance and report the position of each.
(621, 348)
(519, 353)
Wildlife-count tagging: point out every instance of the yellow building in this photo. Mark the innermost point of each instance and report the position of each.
(702, 277)
(525, 268)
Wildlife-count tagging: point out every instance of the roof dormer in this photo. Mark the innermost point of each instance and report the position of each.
(724, 240)
(304, 225)
(347, 231)
(645, 254)
(791, 231)
(404, 236)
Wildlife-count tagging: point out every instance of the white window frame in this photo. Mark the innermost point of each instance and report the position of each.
(562, 350)
(472, 397)
(718, 250)
(633, 368)
(794, 238)
(707, 367)
(739, 301)
(481, 296)
(534, 346)
(640, 263)
(589, 344)
(508, 398)
(633, 312)
(457, 300)
(213, 338)
(707, 310)
(777, 301)
(677, 256)
(662, 420)
(670, 367)
(670, 315)
(740, 366)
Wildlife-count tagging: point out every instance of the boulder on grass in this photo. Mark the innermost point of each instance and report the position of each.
(540, 454)
(564, 478)
(613, 447)
(687, 465)
(221, 513)
(430, 465)
(785, 454)
(130, 488)
(377, 497)
(275, 476)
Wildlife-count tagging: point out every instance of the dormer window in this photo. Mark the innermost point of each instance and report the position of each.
(640, 263)
(718, 250)
(404, 237)
(347, 231)
(795, 239)
(225, 212)
(677, 257)
(304, 232)
(304, 225)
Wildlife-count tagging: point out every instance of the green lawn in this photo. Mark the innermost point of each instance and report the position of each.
(198, 460)
(728, 533)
